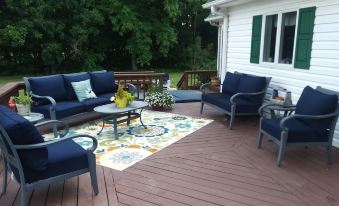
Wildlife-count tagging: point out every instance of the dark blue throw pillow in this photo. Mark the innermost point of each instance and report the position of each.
(231, 83)
(23, 132)
(103, 82)
(313, 102)
(52, 86)
(76, 77)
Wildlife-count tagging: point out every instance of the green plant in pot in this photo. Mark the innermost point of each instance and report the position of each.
(23, 103)
(123, 98)
(159, 100)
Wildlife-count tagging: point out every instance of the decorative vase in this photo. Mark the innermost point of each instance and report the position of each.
(23, 109)
(156, 107)
(121, 102)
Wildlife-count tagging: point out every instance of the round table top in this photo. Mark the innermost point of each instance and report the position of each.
(34, 117)
(112, 109)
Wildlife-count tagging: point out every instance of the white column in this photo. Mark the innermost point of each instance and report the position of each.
(224, 46)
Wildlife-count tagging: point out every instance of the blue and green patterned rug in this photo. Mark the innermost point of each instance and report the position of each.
(136, 143)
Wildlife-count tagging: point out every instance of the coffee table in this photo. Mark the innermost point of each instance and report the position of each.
(113, 115)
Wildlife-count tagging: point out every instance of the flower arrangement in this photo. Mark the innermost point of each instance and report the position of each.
(159, 100)
(122, 98)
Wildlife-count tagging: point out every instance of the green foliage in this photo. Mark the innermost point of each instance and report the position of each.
(22, 98)
(45, 36)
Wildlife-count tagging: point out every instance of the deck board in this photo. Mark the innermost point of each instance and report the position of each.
(212, 166)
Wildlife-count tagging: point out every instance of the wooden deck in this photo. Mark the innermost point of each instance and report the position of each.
(213, 166)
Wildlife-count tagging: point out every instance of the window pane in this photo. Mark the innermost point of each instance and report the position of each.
(287, 37)
(270, 38)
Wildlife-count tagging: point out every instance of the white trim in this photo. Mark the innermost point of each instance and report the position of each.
(224, 3)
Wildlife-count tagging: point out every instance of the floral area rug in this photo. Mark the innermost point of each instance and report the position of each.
(136, 143)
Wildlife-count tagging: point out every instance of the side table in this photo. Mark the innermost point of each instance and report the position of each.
(34, 117)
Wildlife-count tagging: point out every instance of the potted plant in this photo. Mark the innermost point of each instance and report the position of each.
(122, 98)
(23, 103)
(159, 100)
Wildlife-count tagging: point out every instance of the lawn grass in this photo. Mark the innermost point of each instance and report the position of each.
(175, 76)
(6, 79)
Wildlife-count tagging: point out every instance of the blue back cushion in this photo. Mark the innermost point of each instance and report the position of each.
(103, 82)
(52, 86)
(313, 102)
(252, 84)
(231, 83)
(76, 77)
(23, 132)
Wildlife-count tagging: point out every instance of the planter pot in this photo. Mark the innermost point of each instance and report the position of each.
(23, 109)
(157, 108)
(121, 102)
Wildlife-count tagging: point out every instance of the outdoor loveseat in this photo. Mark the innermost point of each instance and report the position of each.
(242, 94)
(55, 98)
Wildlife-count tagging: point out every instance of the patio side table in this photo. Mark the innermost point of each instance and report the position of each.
(34, 117)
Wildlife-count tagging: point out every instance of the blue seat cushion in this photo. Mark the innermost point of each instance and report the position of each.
(63, 158)
(91, 103)
(52, 86)
(23, 132)
(222, 100)
(63, 109)
(297, 131)
(76, 77)
(107, 95)
(231, 83)
(313, 102)
(103, 82)
(252, 84)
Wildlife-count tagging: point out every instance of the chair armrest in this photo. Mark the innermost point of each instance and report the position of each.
(299, 116)
(232, 100)
(50, 99)
(45, 144)
(49, 122)
(278, 107)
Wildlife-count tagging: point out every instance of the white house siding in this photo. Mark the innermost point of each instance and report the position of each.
(324, 70)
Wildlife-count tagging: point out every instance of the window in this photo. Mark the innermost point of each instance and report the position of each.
(270, 38)
(279, 38)
(288, 26)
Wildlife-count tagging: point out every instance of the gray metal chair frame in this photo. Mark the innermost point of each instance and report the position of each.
(284, 130)
(233, 112)
(52, 109)
(12, 158)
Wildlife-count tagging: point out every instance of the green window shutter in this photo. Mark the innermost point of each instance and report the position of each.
(304, 38)
(256, 37)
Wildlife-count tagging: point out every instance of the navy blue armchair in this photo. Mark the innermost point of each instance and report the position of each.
(242, 94)
(312, 124)
(35, 162)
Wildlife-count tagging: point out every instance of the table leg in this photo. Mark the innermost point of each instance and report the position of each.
(103, 125)
(129, 118)
(115, 127)
(141, 119)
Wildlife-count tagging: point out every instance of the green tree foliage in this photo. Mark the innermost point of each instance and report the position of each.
(48, 36)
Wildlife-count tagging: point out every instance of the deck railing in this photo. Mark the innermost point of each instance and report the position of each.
(141, 80)
(194, 79)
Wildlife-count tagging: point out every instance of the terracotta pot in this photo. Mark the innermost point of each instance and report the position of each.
(157, 107)
(121, 102)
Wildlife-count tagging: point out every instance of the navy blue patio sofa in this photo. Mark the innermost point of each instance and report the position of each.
(55, 98)
(242, 94)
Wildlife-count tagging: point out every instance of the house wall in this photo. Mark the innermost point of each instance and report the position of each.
(324, 70)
